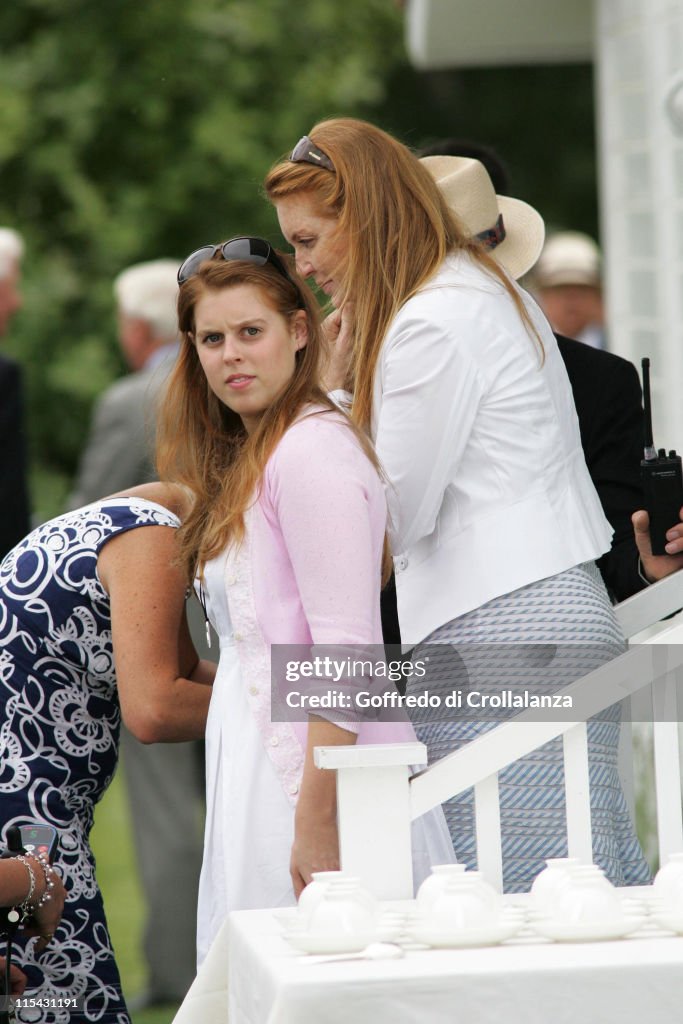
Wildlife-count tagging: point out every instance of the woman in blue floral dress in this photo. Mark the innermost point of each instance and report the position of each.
(91, 626)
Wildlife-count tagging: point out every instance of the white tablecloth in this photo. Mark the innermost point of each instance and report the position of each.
(252, 976)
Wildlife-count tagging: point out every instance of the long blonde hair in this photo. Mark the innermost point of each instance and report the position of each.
(201, 443)
(398, 226)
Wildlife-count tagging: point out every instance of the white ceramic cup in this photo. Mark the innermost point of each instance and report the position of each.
(315, 890)
(326, 882)
(550, 882)
(668, 884)
(589, 898)
(436, 883)
(343, 918)
(463, 904)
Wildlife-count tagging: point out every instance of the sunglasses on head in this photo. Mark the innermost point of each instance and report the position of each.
(306, 152)
(249, 249)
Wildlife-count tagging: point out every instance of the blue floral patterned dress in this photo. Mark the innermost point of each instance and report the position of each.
(59, 733)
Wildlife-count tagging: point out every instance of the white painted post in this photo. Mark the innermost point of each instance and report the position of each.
(487, 816)
(577, 793)
(667, 766)
(373, 812)
(638, 55)
(667, 647)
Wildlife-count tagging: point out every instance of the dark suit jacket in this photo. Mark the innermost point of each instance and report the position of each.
(608, 402)
(14, 505)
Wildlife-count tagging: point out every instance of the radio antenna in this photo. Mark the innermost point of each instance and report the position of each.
(650, 451)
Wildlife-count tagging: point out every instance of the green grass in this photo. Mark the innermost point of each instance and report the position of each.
(123, 901)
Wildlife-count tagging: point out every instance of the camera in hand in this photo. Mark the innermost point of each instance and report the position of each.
(662, 478)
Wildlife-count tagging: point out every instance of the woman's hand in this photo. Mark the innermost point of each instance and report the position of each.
(338, 334)
(316, 840)
(315, 848)
(44, 919)
(17, 978)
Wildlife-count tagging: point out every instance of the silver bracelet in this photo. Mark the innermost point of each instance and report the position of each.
(49, 873)
(25, 908)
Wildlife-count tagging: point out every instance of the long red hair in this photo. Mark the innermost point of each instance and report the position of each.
(202, 444)
(398, 226)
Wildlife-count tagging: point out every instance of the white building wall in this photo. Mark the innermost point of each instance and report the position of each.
(639, 55)
(479, 33)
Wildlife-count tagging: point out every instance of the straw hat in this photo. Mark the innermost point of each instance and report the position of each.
(511, 230)
(569, 257)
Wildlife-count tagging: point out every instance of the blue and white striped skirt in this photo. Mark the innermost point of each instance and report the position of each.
(569, 609)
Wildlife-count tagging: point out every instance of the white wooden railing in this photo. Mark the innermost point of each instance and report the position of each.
(378, 798)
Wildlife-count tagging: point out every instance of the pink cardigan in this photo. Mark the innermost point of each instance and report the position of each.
(308, 572)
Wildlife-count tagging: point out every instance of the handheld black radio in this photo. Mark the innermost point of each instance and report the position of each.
(661, 476)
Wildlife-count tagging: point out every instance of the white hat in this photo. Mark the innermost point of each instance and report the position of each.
(149, 291)
(569, 257)
(11, 251)
(511, 230)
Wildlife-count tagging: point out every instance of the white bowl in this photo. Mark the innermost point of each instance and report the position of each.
(342, 914)
(462, 903)
(325, 882)
(588, 898)
(315, 890)
(548, 885)
(436, 882)
(668, 884)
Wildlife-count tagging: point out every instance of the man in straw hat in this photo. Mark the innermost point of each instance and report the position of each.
(606, 387)
(567, 281)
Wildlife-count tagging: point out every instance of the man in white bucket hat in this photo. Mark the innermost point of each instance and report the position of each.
(606, 387)
(567, 281)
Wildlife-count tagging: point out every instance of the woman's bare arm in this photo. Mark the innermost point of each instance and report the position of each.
(174, 497)
(316, 840)
(161, 681)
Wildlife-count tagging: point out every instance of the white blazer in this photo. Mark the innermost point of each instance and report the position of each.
(488, 488)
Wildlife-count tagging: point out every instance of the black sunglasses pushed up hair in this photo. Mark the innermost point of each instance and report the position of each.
(306, 152)
(250, 249)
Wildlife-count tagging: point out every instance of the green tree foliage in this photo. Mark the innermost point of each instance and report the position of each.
(540, 120)
(133, 129)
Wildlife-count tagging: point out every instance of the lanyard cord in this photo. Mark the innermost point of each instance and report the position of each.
(6, 1014)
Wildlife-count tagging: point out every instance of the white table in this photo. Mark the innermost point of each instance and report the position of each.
(637, 980)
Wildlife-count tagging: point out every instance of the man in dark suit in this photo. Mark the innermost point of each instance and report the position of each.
(14, 503)
(608, 400)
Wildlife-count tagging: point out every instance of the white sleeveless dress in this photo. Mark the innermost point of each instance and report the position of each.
(249, 822)
(253, 767)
